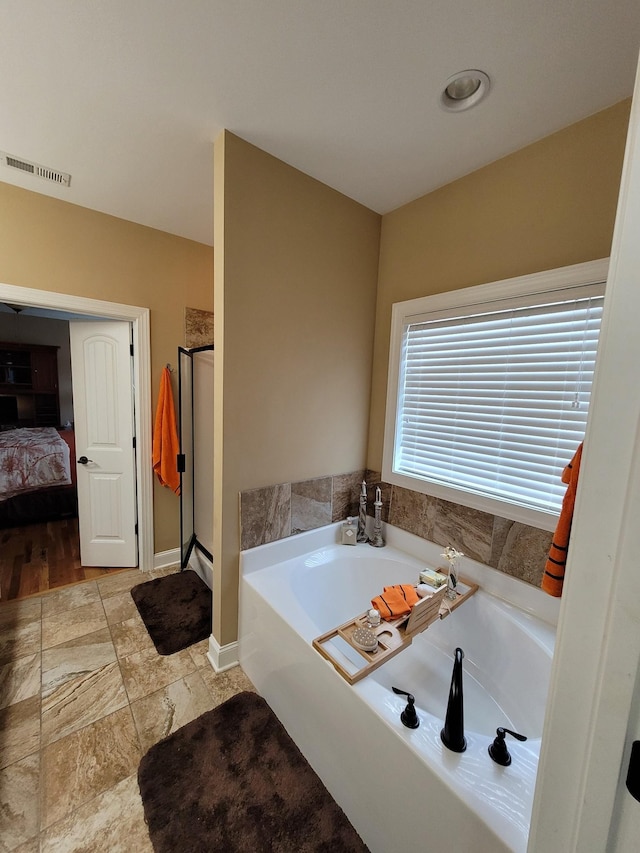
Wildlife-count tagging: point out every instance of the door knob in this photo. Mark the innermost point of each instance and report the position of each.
(83, 460)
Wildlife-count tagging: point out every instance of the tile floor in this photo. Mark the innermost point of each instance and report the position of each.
(83, 695)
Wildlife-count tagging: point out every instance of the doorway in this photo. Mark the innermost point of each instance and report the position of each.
(138, 318)
(69, 379)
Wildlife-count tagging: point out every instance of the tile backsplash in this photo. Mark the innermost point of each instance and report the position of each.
(275, 512)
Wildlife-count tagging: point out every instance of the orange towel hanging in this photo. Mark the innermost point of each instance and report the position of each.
(165, 437)
(553, 577)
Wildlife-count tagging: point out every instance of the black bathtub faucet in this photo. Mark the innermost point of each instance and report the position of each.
(452, 735)
(408, 717)
(498, 749)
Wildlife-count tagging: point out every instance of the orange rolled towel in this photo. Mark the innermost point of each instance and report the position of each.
(553, 577)
(395, 601)
(165, 437)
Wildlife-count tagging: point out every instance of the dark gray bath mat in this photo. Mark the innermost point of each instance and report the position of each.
(175, 609)
(233, 781)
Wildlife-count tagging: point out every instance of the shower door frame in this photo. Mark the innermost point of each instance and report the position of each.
(186, 548)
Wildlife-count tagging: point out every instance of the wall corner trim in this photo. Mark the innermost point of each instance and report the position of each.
(222, 657)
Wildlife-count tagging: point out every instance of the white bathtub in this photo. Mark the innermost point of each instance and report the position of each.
(401, 788)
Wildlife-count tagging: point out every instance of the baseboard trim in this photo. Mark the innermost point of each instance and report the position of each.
(202, 566)
(162, 559)
(222, 657)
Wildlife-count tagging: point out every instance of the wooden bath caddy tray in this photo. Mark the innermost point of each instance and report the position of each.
(393, 636)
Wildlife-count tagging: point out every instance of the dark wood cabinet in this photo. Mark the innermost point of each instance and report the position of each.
(29, 373)
(15, 368)
(44, 370)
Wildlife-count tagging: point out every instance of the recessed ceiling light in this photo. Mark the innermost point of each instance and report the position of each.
(464, 90)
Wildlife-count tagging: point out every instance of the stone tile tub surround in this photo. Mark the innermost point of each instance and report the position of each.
(276, 512)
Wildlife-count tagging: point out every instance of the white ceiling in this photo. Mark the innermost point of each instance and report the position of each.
(128, 95)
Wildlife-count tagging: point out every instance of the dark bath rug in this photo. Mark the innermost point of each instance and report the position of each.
(175, 609)
(233, 781)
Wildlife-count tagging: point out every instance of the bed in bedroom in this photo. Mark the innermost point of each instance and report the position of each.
(37, 475)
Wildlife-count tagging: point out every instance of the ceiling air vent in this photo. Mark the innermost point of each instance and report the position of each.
(36, 169)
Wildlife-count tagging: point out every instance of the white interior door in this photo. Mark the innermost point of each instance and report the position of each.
(581, 802)
(101, 365)
(625, 826)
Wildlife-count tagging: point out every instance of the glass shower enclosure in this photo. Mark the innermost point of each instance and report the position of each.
(195, 419)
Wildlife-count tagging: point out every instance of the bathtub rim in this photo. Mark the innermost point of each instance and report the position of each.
(274, 584)
(511, 590)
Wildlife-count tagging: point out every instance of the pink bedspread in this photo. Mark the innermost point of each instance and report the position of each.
(32, 459)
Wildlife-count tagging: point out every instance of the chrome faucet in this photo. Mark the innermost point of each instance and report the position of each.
(452, 735)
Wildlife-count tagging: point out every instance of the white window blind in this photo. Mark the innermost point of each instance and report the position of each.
(493, 399)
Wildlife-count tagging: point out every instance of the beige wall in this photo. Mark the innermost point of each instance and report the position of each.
(294, 316)
(296, 267)
(51, 245)
(548, 205)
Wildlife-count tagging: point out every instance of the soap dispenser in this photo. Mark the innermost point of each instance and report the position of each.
(349, 532)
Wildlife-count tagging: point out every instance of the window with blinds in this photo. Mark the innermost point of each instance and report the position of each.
(492, 397)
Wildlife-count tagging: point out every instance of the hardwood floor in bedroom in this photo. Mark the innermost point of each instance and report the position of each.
(39, 557)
